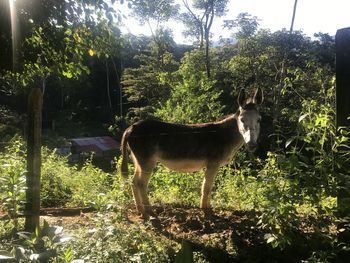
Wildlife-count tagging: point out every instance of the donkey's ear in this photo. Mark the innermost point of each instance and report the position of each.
(241, 98)
(258, 96)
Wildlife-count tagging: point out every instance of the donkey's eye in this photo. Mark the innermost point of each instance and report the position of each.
(242, 120)
(259, 120)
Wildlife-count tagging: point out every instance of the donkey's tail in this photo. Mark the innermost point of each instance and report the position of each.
(123, 147)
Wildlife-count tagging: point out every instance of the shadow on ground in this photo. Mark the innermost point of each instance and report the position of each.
(230, 236)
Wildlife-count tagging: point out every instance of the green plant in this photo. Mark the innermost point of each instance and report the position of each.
(194, 97)
(172, 187)
(12, 181)
(306, 174)
(87, 183)
(44, 245)
(55, 191)
(110, 240)
(66, 185)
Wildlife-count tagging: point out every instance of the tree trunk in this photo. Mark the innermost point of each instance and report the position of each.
(109, 101)
(119, 88)
(208, 23)
(201, 39)
(293, 17)
(207, 58)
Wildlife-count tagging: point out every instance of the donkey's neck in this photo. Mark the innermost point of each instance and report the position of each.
(230, 124)
(229, 120)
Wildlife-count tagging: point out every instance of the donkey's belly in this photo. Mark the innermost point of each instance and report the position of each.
(184, 165)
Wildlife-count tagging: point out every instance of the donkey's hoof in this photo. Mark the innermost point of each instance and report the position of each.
(145, 216)
(156, 223)
(148, 215)
(208, 212)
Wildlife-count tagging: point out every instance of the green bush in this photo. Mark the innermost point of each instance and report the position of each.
(110, 241)
(172, 187)
(88, 183)
(45, 245)
(194, 97)
(55, 190)
(294, 182)
(67, 185)
(61, 183)
(12, 181)
(7, 132)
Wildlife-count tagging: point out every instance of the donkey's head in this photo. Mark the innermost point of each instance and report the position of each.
(249, 118)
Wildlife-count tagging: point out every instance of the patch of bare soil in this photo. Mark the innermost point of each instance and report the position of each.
(227, 236)
(69, 221)
(221, 236)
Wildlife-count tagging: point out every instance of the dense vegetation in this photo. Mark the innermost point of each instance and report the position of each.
(96, 81)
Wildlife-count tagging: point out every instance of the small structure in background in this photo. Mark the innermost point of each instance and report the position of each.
(103, 150)
(102, 147)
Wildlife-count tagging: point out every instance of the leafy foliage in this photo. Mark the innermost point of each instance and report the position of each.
(246, 24)
(152, 10)
(61, 183)
(75, 43)
(193, 97)
(198, 18)
(149, 85)
(12, 178)
(43, 245)
(121, 243)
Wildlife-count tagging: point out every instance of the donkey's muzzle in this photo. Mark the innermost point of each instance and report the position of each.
(252, 146)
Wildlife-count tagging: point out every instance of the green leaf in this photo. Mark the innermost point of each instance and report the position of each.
(68, 32)
(67, 74)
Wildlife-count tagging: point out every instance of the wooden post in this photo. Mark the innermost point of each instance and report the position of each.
(342, 42)
(32, 207)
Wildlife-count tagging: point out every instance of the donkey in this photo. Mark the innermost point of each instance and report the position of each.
(189, 148)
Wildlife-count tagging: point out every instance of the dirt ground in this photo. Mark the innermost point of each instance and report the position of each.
(222, 236)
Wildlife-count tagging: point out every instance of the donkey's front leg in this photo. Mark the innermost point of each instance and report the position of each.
(207, 185)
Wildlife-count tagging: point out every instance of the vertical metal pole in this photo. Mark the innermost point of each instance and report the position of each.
(32, 208)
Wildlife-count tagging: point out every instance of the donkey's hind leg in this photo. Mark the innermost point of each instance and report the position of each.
(136, 190)
(146, 172)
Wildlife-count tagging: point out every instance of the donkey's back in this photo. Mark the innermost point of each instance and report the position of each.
(151, 138)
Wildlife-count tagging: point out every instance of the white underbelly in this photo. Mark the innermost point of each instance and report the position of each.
(184, 165)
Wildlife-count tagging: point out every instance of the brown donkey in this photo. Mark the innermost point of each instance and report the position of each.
(189, 148)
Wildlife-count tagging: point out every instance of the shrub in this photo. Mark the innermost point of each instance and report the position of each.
(173, 187)
(55, 190)
(110, 241)
(12, 181)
